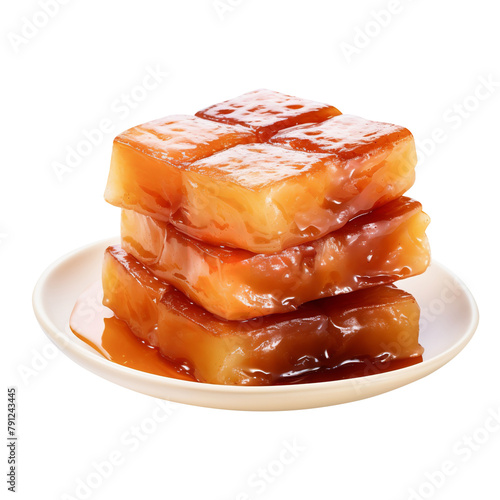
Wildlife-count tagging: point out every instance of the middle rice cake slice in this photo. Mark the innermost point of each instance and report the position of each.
(380, 247)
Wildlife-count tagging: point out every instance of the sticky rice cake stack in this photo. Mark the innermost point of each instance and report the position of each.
(261, 239)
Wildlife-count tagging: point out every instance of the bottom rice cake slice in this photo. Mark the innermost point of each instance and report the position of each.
(380, 323)
(378, 248)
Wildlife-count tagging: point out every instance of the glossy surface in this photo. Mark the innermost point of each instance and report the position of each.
(219, 186)
(266, 111)
(377, 248)
(346, 136)
(378, 323)
(114, 340)
(147, 161)
(62, 283)
(255, 167)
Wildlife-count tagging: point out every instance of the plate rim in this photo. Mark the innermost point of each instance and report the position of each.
(62, 340)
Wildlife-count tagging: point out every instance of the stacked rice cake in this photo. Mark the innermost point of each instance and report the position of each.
(252, 230)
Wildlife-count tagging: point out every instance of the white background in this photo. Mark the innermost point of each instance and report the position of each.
(419, 69)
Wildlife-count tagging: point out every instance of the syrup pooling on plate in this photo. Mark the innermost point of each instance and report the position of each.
(97, 326)
(111, 337)
(380, 323)
(373, 249)
(210, 179)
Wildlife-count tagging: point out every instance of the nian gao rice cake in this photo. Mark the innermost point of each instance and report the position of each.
(373, 249)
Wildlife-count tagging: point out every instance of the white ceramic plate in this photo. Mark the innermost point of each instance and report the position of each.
(449, 319)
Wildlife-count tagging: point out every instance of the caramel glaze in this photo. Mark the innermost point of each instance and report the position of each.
(97, 326)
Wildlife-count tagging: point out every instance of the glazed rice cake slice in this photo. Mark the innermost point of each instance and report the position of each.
(380, 323)
(266, 112)
(148, 160)
(265, 198)
(376, 248)
(251, 197)
(360, 144)
(370, 164)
